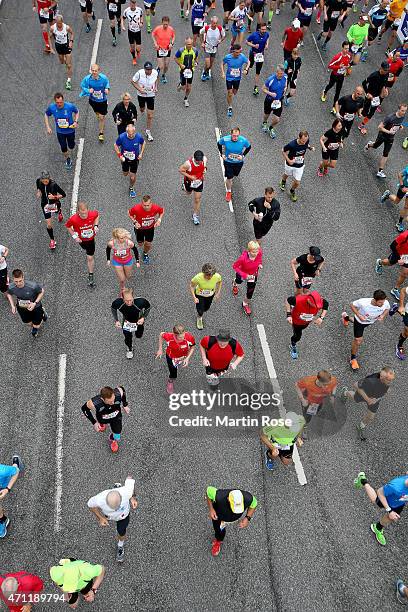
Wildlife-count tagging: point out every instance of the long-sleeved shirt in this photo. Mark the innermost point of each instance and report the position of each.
(98, 85)
(245, 266)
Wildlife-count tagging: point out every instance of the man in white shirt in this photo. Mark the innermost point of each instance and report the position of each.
(211, 36)
(114, 505)
(134, 16)
(366, 312)
(145, 82)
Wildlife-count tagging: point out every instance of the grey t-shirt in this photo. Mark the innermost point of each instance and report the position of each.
(392, 123)
(26, 294)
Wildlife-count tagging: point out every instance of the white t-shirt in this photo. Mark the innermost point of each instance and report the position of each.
(212, 38)
(134, 18)
(126, 492)
(240, 15)
(3, 264)
(146, 81)
(365, 307)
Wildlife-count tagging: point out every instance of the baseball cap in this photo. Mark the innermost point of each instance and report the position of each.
(296, 23)
(223, 335)
(198, 155)
(363, 18)
(385, 65)
(148, 66)
(45, 175)
(236, 500)
(315, 251)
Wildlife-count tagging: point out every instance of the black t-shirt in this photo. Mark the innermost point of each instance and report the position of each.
(348, 107)
(392, 122)
(269, 214)
(51, 188)
(139, 309)
(333, 139)
(305, 268)
(373, 386)
(374, 83)
(335, 7)
(297, 152)
(223, 508)
(105, 412)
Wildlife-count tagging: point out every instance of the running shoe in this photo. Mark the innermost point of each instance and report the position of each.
(265, 127)
(91, 282)
(357, 481)
(247, 309)
(3, 528)
(381, 174)
(396, 293)
(114, 42)
(293, 196)
(400, 353)
(87, 28)
(170, 387)
(272, 132)
(234, 289)
(400, 226)
(52, 244)
(378, 267)
(361, 432)
(68, 84)
(149, 135)
(186, 103)
(385, 196)
(294, 352)
(101, 137)
(354, 364)
(134, 61)
(129, 354)
(114, 446)
(320, 171)
(379, 536)
(120, 554)
(146, 259)
(269, 464)
(282, 185)
(200, 323)
(344, 318)
(34, 332)
(68, 163)
(132, 192)
(326, 171)
(229, 112)
(163, 79)
(215, 548)
(256, 91)
(400, 593)
(393, 309)
(45, 317)
(228, 196)
(323, 97)
(343, 395)
(16, 460)
(60, 217)
(196, 219)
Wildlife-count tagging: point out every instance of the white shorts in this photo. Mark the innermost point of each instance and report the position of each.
(296, 173)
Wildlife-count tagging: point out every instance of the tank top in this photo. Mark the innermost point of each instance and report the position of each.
(121, 252)
(61, 36)
(197, 170)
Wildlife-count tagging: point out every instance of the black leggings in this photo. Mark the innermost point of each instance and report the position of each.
(3, 280)
(250, 285)
(74, 596)
(129, 338)
(383, 139)
(204, 303)
(338, 80)
(297, 333)
(219, 533)
(368, 109)
(172, 368)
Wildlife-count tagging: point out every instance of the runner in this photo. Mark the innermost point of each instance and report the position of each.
(28, 295)
(74, 577)
(108, 411)
(339, 65)
(235, 63)
(4, 278)
(312, 392)
(96, 86)
(233, 148)
(146, 216)
(118, 254)
(403, 51)
(124, 113)
(193, 171)
(348, 107)
(258, 43)
(186, 59)
(305, 13)
(280, 441)
(150, 11)
(134, 312)
(129, 147)
(199, 12)
(375, 87)
(179, 349)
(376, 18)
(145, 82)
(301, 310)
(395, 12)
(8, 477)
(366, 312)
(211, 36)
(19, 590)
(66, 117)
(398, 255)
(274, 88)
(50, 195)
(330, 141)
(205, 287)
(247, 268)
(391, 497)
(134, 16)
(369, 390)
(115, 17)
(218, 353)
(400, 195)
(163, 39)
(396, 66)
(386, 134)
(293, 65)
(86, 7)
(64, 39)
(334, 12)
(238, 27)
(305, 268)
(291, 39)
(357, 36)
(45, 10)
(403, 311)
(265, 211)
(83, 227)
(257, 8)
(114, 505)
(294, 155)
(184, 15)
(227, 506)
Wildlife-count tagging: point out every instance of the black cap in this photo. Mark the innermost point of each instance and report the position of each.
(224, 335)
(314, 251)
(198, 155)
(45, 176)
(385, 65)
(148, 66)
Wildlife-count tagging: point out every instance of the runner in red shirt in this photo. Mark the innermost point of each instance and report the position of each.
(338, 65)
(180, 347)
(218, 354)
(291, 39)
(396, 65)
(193, 171)
(146, 216)
(398, 255)
(17, 590)
(83, 227)
(300, 311)
(45, 10)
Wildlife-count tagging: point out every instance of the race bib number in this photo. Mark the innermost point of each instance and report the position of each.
(50, 208)
(210, 48)
(206, 292)
(188, 73)
(250, 278)
(299, 159)
(163, 52)
(128, 326)
(112, 415)
(307, 281)
(113, 7)
(98, 95)
(63, 123)
(276, 104)
(258, 57)
(341, 70)
(147, 222)
(355, 48)
(376, 101)
(24, 303)
(309, 11)
(349, 116)
(82, 2)
(44, 12)
(235, 72)
(335, 14)
(404, 259)
(177, 361)
(333, 146)
(394, 129)
(87, 233)
(234, 156)
(129, 155)
(198, 21)
(196, 183)
(239, 23)
(312, 409)
(306, 317)
(121, 252)
(281, 446)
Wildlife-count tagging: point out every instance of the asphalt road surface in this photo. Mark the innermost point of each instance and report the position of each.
(309, 547)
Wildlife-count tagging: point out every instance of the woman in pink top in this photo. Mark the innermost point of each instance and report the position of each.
(247, 267)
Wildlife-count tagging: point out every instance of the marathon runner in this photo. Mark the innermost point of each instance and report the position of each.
(257, 8)
(348, 107)
(150, 11)
(366, 312)
(211, 36)
(258, 43)
(146, 216)
(199, 12)
(66, 121)
(115, 17)
(265, 211)
(386, 134)
(232, 67)
(395, 12)
(4, 278)
(45, 10)
(205, 287)
(145, 82)
(86, 7)
(294, 155)
(163, 40)
(134, 312)
(334, 12)
(398, 255)
(305, 12)
(228, 6)
(193, 170)
(227, 506)
(292, 37)
(129, 147)
(96, 86)
(357, 36)
(186, 59)
(238, 27)
(375, 87)
(64, 39)
(280, 440)
(376, 18)
(124, 113)
(396, 66)
(83, 227)
(339, 66)
(179, 349)
(330, 141)
(134, 16)
(247, 268)
(312, 392)
(403, 311)
(301, 310)
(28, 295)
(108, 406)
(8, 478)
(292, 69)
(118, 254)
(74, 577)
(305, 268)
(19, 590)
(402, 193)
(274, 88)
(233, 149)
(50, 195)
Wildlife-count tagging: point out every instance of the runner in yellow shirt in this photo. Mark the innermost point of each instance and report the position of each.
(396, 9)
(205, 287)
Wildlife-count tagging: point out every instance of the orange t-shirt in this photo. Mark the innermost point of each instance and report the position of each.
(313, 393)
(163, 36)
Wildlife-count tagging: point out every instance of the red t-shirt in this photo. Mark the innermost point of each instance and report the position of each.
(307, 306)
(43, 5)
(220, 358)
(339, 63)
(396, 65)
(402, 243)
(293, 38)
(146, 218)
(83, 227)
(176, 349)
(27, 583)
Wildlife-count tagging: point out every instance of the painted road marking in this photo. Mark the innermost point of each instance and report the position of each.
(96, 42)
(59, 450)
(75, 187)
(218, 136)
(318, 50)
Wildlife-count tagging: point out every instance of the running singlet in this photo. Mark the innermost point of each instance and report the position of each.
(61, 36)
(240, 16)
(197, 12)
(104, 412)
(146, 218)
(85, 228)
(196, 170)
(212, 37)
(121, 252)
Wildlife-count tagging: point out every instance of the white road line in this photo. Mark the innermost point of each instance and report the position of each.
(318, 50)
(272, 374)
(96, 41)
(75, 187)
(218, 136)
(59, 450)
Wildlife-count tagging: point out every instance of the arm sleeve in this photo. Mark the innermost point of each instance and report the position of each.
(124, 398)
(276, 211)
(219, 145)
(253, 503)
(116, 111)
(252, 206)
(325, 305)
(211, 493)
(59, 190)
(108, 252)
(115, 306)
(88, 414)
(291, 300)
(135, 252)
(247, 150)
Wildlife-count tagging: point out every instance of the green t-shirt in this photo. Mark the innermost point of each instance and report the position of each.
(357, 34)
(284, 436)
(204, 286)
(73, 576)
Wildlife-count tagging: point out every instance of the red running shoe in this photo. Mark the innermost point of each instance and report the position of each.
(60, 217)
(215, 548)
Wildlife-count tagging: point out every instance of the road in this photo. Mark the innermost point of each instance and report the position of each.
(309, 547)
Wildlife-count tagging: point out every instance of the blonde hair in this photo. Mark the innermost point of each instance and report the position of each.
(120, 233)
(127, 291)
(126, 94)
(253, 245)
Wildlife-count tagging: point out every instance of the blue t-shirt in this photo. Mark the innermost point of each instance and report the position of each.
(307, 5)
(6, 473)
(257, 39)
(63, 116)
(396, 491)
(98, 85)
(234, 66)
(275, 85)
(234, 148)
(130, 147)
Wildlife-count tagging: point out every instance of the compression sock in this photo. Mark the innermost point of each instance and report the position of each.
(113, 30)
(401, 341)
(270, 15)
(46, 39)
(148, 18)
(50, 232)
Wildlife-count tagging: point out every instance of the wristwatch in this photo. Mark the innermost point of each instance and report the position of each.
(388, 509)
(248, 517)
(95, 591)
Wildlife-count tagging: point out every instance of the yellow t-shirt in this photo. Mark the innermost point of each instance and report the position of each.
(205, 287)
(396, 8)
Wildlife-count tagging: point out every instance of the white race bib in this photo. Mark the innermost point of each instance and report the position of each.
(258, 57)
(404, 259)
(349, 116)
(281, 446)
(394, 129)
(87, 233)
(198, 21)
(177, 361)
(306, 281)
(299, 159)
(235, 156)
(306, 316)
(98, 95)
(82, 2)
(341, 70)
(235, 72)
(44, 12)
(112, 7)
(355, 48)
(205, 292)
(128, 326)
(50, 208)
(335, 14)
(63, 123)
(312, 409)
(147, 222)
(187, 73)
(250, 278)
(23, 303)
(376, 101)
(333, 146)
(276, 104)
(196, 183)
(309, 11)
(163, 52)
(120, 252)
(129, 155)
(210, 48)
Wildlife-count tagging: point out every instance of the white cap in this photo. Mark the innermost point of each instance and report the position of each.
(296, 23)
(236, 500)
